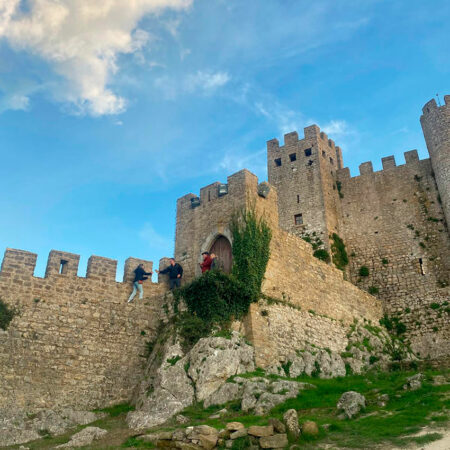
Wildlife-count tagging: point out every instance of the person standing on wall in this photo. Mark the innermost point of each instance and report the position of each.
(139, 278)
(175, 272)
(215, 262)
(207, 261)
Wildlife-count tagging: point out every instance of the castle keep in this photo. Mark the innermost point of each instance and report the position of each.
(76, 342)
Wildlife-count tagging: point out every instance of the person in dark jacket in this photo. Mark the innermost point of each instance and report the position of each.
(215, 262)
(175, 272)
(207, 261)
(139, 278)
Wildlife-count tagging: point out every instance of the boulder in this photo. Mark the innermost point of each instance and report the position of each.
(351, 403)
(415, 382)
(278, 425)
(290, 418)
(310, 428)
(239, 433)
(234, 426)
(275, 441)
(84, 437)
(259, 431)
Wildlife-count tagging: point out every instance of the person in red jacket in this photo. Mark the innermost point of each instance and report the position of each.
(207, 261)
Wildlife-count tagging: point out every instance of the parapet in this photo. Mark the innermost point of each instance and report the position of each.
(431, 106)
(18, 262)
(388, 163)
(237, 185)
(21, 264)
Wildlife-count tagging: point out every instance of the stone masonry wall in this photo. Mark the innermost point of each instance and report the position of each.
(75, 342)
(277, 330)
(292, 274)
(395, 226)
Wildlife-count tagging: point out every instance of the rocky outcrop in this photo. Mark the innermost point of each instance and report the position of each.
(84, 437)
(175, 380)
(17, 427)
(213, 360)
(256, 394)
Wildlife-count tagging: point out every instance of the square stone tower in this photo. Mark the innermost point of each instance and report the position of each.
(303, 171)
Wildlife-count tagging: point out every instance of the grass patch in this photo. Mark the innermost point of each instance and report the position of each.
(116, 410)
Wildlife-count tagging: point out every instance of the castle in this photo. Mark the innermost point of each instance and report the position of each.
(76, 342)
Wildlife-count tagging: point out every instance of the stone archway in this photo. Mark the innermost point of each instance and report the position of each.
(222, 248)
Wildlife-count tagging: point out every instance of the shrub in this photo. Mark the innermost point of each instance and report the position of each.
(435, 305)
(6, 315)
(385, 261)
(364, 271)
(322, 254)
(373, 290)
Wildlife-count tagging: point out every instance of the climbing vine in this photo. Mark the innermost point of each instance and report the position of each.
(340, 257)
(251, 251)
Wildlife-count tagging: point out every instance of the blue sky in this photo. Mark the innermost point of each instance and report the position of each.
(109, 112)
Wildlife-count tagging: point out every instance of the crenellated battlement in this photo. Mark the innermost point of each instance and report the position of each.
(388, 164)
(218, 193)
(311, 133)
(21, 264)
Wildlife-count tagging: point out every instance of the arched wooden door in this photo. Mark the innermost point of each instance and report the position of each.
(222, 248)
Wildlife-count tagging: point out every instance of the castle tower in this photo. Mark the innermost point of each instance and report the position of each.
(304, 173)
(435, 123)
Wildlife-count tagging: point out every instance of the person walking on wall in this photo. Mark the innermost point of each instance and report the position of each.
(175, 272)
(139, 278)
(207, 261)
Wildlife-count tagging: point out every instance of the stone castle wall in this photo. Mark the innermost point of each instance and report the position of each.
(292, 273)
(392, 221)
(75, 341)
(394, 225)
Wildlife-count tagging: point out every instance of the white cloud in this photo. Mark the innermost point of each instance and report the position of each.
(81, 40)
(206, 81)
(337, 128)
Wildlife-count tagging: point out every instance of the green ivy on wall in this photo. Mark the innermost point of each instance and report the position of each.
(340, 257)
(251, 249)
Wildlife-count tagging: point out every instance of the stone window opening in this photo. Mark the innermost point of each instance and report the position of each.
(209, 196)
(63, 266)
(298, 219)
(298, 198)
(278, 162)
(310, 162)
(422, 271)
(324, 154)
(331, 160)
(308, 152)
(293, 157)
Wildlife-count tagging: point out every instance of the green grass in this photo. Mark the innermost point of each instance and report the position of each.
(405, 413)
(116, 410)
